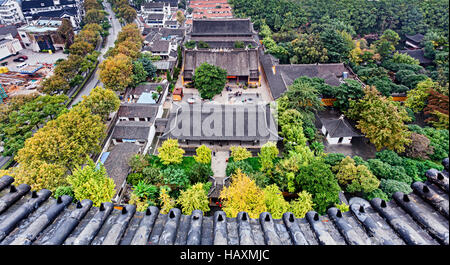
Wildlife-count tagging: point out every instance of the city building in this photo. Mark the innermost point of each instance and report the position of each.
(41, 35)
(70, 9)
(11, 13)
(9, 41)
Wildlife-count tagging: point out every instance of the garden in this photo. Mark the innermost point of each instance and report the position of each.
(171, 179)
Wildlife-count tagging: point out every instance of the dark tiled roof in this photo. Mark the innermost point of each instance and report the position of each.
(153, 4)
(164, 32)
(221, 27)
(71, 11)
(116, 164)
(276, 83)
(235, 123)
(140, 110)
(147, 87)
(27, 5)
(173, 3)
(135, 130)
(154, 16)
(285, 74)
(160, 46)
(236, 62)
(8, 29)
(418, 54)
(419, 218)
(415, 38)
(339, 128)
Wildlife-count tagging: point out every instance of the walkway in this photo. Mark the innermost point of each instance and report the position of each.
(95, 80)
(219, 164)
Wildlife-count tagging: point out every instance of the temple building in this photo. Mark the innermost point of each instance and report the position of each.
(231, 44)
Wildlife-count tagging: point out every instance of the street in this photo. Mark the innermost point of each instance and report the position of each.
(95, 79)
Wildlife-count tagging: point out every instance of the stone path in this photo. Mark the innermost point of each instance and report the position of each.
(219, 164)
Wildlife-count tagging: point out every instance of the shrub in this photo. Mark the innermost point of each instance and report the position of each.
(390, 186)
(275, 202)
(342, 207)
(355, 178)
(194, 198)
(268, 153)
(152, 175)
(64, 190)
(170, 153)
(145, 190)
(175, 176)
(240, 153)
(242, 195)
(303, 204)
(203, 154)
(138, 163)
(167, 202)
(390, 157)
(92, 183)
(134, 178)
(244, 166)
(317, 179)
(200, 173)
(419, 147)
(333, 159)
(377, 193)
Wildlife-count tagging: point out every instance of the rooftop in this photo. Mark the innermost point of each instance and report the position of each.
(417, 54)
(132, 130)
(237, 62)
(116, 163)
(285, 74)
(139, 110)
(35, 218)
(238, 122)
(233, 26)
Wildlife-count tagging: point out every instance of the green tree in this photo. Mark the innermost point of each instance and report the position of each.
(194, 198)
(303, 204)
(65, 31)
(139, 73)
(170, 152)
(308, 48)
(203, 154)
(355, 178)
(148, 65)
(317, 179)
(242, 195)
(275, 202)
(101, 101)
(240, 153)
(267, 155)
(381, 120)
(209, 80)
(92, 183)
(116, 72)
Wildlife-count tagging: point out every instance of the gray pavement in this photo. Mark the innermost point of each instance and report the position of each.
(95, 80)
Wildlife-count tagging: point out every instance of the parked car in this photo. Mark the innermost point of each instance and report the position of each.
(19, 59)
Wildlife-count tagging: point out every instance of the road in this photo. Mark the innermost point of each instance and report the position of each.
(95, 79)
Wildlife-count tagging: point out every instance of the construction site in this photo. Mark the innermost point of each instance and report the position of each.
(22, 82)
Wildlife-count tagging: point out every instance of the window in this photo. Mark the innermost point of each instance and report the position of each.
(340, 140)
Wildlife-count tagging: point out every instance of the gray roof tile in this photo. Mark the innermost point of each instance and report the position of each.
(36, 218)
